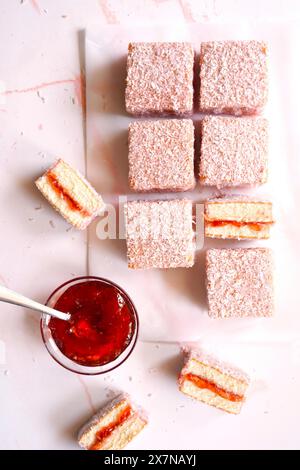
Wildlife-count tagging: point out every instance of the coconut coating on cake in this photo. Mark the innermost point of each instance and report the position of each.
(159, 78)
(234, 152)
(159, 234)
(240, 282)
(161, 155)
(233, 77)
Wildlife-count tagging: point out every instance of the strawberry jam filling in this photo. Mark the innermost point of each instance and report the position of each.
(203, 383)
(64, 194)
(106, 431)
(101, 325)
(257, 226)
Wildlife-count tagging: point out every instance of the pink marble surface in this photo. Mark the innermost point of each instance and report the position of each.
(41, 116)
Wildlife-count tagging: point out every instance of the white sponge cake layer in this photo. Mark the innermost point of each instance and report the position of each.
(70, 194)
(239, 211)
(124, 434)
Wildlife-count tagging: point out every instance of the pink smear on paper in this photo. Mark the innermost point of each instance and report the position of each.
(87, 394)
(187, 11)
(79, 89)
(35, 5)
(38, 87)
(108, 13)
(40, 127)
(79, 85)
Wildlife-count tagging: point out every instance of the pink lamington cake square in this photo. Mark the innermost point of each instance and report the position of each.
(233, 77)
(234, 152)
(240, 282)
(159, 78)
(159, 234)
(161, 155)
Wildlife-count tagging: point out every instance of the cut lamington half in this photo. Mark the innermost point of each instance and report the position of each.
(238, 217)
(211, 381)
(70, 194)
(114, 426)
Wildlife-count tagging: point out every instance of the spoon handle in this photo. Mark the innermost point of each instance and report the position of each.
(11, 297)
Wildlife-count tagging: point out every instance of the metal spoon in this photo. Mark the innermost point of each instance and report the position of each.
(11, 297)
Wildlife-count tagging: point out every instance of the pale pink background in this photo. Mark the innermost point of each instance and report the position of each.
(41, 404)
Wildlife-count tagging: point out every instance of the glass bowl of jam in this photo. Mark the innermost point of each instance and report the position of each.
(102, 330)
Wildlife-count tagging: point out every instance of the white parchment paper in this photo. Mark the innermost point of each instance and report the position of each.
(172, 303)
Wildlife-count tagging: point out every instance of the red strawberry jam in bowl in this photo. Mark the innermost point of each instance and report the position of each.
(102, 330)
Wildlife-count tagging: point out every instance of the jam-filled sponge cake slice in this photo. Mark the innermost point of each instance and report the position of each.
(238, 217)
(213, 382)
(114, 426)
(70, 194)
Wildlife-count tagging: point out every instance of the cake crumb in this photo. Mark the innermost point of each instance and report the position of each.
(42, 98)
